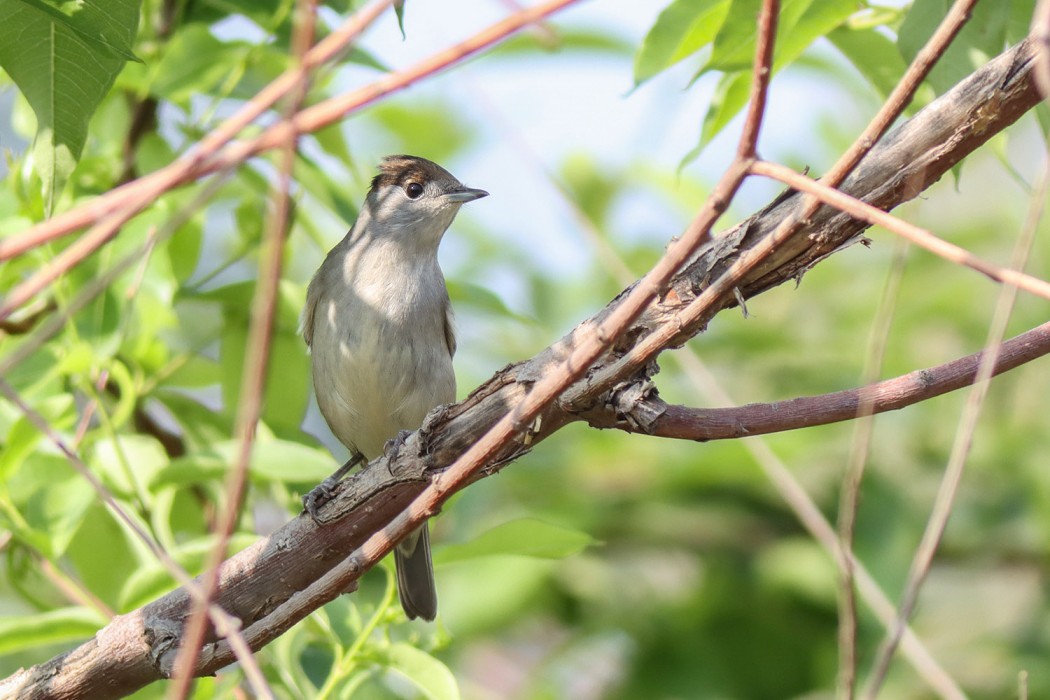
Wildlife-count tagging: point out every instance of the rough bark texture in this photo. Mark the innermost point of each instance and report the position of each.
(138, 648)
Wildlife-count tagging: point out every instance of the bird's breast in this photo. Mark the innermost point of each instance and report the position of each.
(380, 361)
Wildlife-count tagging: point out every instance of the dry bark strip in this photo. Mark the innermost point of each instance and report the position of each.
(138, 648)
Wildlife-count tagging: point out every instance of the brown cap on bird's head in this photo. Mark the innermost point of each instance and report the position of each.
(418, 180)
(402, 169)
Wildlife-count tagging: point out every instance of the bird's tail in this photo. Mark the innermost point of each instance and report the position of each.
(415, 575)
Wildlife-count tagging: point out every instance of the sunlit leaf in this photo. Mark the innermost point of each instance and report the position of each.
(62, 74)
(524, 537)
(682, 29)
(991, 26)
(801, 23)
(154, 580)
(399, 10)
(91, 22)
(872, 54)
(432, 677)
(193, 63)
(22, 632)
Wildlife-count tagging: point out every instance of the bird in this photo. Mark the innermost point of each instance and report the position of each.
(379, 327)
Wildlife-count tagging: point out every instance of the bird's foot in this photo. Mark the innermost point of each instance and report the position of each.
(323, 492)
(393, 445)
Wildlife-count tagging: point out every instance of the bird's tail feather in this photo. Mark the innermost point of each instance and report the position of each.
(415, 575)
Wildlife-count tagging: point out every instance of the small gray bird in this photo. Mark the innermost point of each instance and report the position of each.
(379, 326)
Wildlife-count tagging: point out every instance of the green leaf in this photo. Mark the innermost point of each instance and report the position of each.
(271, 460)
(91, 23)
(193, 63)
(425, 127)
(191, 470)
(816, 19)
(22, 632)
(682, 29)
(525, 537)
(432, 677)
(399, 10)
(991, 26)
(62, 74)
(730, 96)
(734, 45)
(286, 399)
(198, 371)
(801, 23)
(184, 249)
(319, 183)
(872, 54)
(483, 299)
(153, 580)
(23, 436)
(287, 386)
(58, 504)
(142, 455)
(262, 12)
(284, 461)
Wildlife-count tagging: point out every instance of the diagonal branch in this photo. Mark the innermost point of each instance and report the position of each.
(264, 585)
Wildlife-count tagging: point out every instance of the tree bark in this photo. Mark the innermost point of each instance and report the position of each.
(138, 648)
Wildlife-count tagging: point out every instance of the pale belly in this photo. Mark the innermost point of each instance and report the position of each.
(372, 385)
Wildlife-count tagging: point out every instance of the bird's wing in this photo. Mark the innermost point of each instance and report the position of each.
(450, 328)
(306, 318)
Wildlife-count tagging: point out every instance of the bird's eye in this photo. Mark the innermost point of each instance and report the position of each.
(413, 190)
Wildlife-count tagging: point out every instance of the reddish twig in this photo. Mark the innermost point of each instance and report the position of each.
(942, 507)
(227, 625)
(576, 361)
(140, 192)
(915, 234)
(901, 96)
(121, 204)
(253, 382)
(704, 424)
(648, 347)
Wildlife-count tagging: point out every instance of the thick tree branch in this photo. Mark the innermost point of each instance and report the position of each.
(262, 585)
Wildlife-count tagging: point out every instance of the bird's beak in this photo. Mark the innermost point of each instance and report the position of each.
(465, 195)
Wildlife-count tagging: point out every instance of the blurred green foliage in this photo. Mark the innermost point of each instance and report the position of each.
(601, 565)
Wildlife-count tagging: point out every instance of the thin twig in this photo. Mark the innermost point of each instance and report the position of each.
(140, 192)
(116, 207)
(645, 349)
(915, 234)
(253, 382)
(227, 625)
(706, 424)
(547, 389)
(853, 476)
(74, 590)
(942, 507)
(693, 367)
(811, 517)
(1040, 34)
(899, 98)
(113, 209)
(56, 322)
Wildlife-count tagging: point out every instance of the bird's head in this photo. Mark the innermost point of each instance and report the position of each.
(416, 199)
